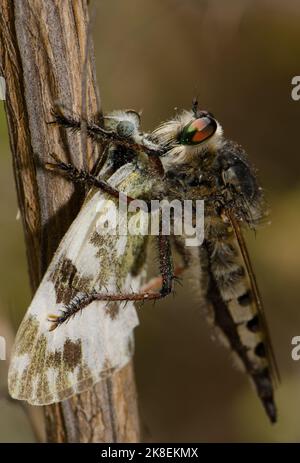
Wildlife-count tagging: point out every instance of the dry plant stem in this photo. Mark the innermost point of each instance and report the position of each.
(42, 47)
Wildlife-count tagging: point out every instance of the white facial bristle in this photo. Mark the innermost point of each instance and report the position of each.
(168, 134)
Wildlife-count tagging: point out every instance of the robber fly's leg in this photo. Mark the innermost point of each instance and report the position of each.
(99, 134)
(166, 269)
(82, 176)
(156, 282)
(94, 131)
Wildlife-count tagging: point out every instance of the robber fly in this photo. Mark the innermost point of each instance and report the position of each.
(200, 162)
(75, 331)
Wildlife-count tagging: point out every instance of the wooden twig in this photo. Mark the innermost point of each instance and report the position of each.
(42, 49)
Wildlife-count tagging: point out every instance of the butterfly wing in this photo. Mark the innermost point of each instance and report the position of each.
(50, 366)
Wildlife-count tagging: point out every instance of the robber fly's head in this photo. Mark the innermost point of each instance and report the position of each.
(189, 135)
(198, 130)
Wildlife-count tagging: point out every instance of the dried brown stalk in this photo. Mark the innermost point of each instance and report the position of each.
(42, 50)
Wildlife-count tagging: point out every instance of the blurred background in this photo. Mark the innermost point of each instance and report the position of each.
(239, 58)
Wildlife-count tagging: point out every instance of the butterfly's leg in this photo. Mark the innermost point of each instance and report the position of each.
(166, 269)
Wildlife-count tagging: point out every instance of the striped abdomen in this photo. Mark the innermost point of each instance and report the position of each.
(231, 292)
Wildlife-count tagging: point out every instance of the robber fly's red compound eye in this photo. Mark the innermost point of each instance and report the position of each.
(198, 131)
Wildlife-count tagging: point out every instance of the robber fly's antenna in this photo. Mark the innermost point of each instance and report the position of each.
(195, 106)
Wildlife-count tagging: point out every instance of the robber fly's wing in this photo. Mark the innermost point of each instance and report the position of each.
(256, 297)
(231, 294)
(50, 366)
